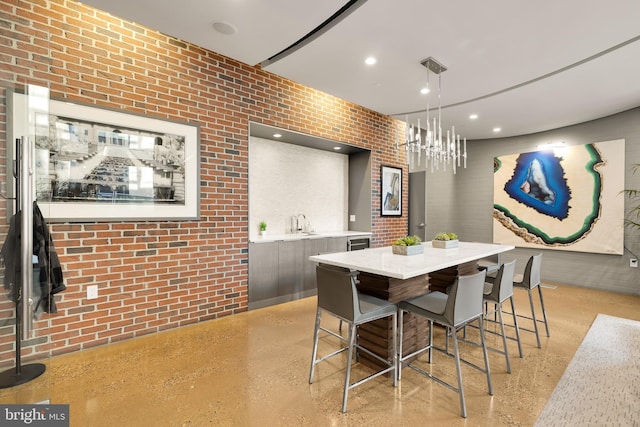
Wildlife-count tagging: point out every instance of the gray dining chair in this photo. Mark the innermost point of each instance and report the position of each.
(339, 297)
(491, 263)
(529, 281)
(496, 291)
(462, 306)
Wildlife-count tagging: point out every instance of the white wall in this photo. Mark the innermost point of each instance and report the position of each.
(287, 179)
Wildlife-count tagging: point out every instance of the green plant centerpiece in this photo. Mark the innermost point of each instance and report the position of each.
(445, 240)
(407, 245)
(262, 227)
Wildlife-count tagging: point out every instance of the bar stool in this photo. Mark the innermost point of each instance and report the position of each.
(454, 311)
(491, 264)
(496, 292)
(339, 297)
(530, 280)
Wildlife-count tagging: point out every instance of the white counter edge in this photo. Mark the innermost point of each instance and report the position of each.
(302, 236)
(335, 259)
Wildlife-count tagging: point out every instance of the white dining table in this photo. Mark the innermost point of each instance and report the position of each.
(396, 277)
(382, 261)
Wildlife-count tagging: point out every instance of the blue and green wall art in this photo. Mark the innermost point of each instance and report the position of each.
(561, 198)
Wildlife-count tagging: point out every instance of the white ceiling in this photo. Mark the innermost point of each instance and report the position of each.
(523, 66)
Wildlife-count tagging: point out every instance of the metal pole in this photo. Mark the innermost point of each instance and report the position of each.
(24, 201)
(26, 172)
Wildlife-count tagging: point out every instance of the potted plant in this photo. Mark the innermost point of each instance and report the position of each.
(634, 197)
(445, 240)
(263, 228)
(407, 245)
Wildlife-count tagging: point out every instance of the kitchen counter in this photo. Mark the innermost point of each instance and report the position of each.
(303, 236)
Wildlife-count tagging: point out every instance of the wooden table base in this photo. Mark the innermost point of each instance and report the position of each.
(376, 336)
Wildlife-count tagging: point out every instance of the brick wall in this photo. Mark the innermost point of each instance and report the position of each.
(157, 275)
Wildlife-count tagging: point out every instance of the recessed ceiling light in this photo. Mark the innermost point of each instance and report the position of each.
(337, 148)
(496, 130)
(225, 28)
(277, 135)
(370, 60)
(473, 116)
(424, 90)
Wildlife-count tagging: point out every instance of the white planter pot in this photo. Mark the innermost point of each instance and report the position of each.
(444, 244)
(407, 250)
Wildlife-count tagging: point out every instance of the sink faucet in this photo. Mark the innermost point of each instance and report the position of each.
(300, 226)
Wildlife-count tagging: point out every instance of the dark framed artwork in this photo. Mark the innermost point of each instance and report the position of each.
(98, 164)
(391, 191)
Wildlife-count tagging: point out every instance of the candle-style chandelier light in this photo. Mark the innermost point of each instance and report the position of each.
(439, 152)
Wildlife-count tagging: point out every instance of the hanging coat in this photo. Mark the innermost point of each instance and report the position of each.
(11, 259)
(50, 281)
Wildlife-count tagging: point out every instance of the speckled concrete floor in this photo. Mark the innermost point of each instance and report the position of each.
(252, 369)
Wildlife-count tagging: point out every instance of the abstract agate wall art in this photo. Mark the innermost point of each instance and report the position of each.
(566, 198)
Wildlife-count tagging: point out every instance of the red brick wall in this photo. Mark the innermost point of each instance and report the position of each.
(164, 274)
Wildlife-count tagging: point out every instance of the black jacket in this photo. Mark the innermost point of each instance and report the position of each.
(51, 281)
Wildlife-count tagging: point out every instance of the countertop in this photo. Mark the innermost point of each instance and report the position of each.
(384, 262)
(303, 236)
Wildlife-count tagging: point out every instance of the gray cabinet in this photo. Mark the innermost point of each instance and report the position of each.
(312, 247)
(281, 271)
(317, 247)
(290, 267)
(336, 244)
(263, 271)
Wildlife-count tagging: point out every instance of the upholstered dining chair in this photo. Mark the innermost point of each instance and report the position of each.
(496, 291)
(455, 310)
(491, 264)
(529, 281)
(339, 297)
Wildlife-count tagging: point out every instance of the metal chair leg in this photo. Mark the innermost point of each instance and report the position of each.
(314, 354)
(533, 317)
(446, 341)
(431, 340)
(498, 308)
(400, 338)
(485, 354)
(394, 332)
(515, 324)
(347, 376)
(544, 311)
(456, 353)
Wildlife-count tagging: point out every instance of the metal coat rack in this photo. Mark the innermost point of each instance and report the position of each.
(22, 172)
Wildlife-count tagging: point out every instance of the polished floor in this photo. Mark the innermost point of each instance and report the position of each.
(252, 369)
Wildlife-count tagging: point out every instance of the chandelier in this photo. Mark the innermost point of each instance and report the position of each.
(439, 152)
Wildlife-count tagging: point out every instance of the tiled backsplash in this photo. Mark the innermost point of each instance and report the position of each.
(286, 180)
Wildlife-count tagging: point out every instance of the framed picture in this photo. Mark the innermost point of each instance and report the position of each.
(565, 199)
(391, 191)
(95, 164)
